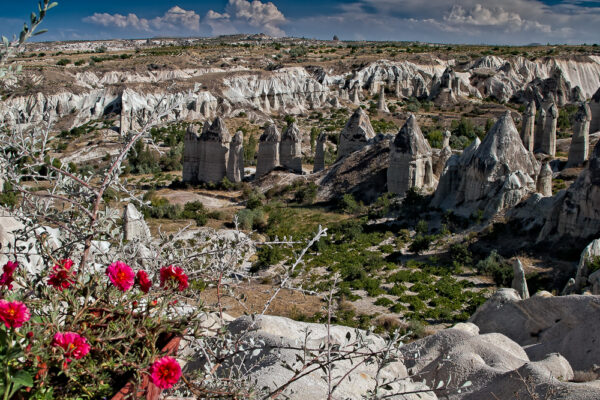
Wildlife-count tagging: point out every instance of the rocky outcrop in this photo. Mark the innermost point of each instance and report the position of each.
(588, 256)
(134, 226)
(580, 141)
(319, 164)
(575, 213)
(595, 111)
(446, 140)
(381, 104)
(410, 160)
(290, 149)
(547, 143)
(544, 180)
(191, 154)
(441, 160)
(235, 164)
(268, 151)
(567, 325)
(540, 125)
(494, 176)
(355, 135)
(214, 152)
(528, 129)
(267, 367)
(467, 364)
(519, 283)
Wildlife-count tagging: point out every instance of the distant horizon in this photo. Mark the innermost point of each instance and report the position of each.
(461, 22)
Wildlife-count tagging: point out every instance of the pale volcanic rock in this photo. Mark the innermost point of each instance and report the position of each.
(575, 212)
(580, 142)
(381, 104)
(528, 130)
(191, 154)
(544, 180)
(319, 164)
(235, 164)
(214, 152)
(410, 160)
(268, 151)
(519, 283)
(355, 135)
(290, 148)
(498, 175)
(545, 324)
(548, 139)
(540, 125)
(267, 367)
(134, 226)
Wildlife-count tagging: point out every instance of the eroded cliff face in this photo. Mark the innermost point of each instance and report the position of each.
(204, 93)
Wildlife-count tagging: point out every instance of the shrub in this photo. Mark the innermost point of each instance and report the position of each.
(383, 301)
(307, 194)
(420, 244)
(63, 61)
(496, 267)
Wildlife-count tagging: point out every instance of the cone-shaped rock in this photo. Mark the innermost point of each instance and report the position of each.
(355, 98)
(191, 154)
(547, 143)
(320, 153)
(595, 110)
(290, 149)
(268, 151)
(135, 227)
(528, 130)
(580, 142)
(355, 135)
(214, 144)
(499, 174)
(540, 125)
(544, 180)
(235, 165)
(410, 159)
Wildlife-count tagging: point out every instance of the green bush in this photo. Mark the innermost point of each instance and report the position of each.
(496, 267)
(63, 61)
(383, 301)
(420, 244)
(307, 194)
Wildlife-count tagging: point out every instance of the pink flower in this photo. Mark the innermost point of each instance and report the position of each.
(14, 313)
(7, 274)
(121, 275)
(165, 372)
(143, 280)
(171, 276)
(74, 345)
(62, 276)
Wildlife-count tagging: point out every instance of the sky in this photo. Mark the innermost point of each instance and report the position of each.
(500, 22)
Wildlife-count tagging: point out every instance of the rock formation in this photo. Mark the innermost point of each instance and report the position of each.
(544, 180)
(528, 129)
(355, 135)
(595, 111)
(548, 135)
(268, 151)
(290, 149)
(575, 212)
(540, 125)
(320, 153)
(191, 154)
(355, 99)
(410, 160)
(441, 160)
(588, 256)
(381, 104)
(134, 226)
(446, 140)
(580, 142)
(235, 164)
(214, 152)
(519, 283)
(467, 364)
(545, 324)
(267, 368)
(490, 177)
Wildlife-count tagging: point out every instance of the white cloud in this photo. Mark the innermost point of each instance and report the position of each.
(247, 16)
(175, 19)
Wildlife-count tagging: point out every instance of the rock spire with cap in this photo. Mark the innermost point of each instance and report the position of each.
(214, 152)
(410, 160)
(268, 151)
(320, 153)
(580, 142)
(235, 165)
(355, 135)
(528, 130)
(290, 149)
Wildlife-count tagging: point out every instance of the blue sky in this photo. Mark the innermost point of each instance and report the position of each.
(457, 21)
